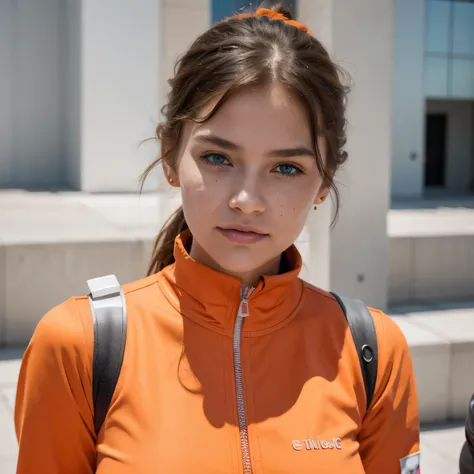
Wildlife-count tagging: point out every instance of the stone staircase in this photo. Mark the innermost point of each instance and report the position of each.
(432, 260)
(441, 340)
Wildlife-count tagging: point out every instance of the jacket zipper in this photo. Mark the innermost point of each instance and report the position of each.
(242, 313)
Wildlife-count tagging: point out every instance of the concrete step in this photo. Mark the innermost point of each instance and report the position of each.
(441, 340)
(431, 252)
(52, 243)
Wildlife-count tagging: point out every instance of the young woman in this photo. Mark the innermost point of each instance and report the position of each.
(232, 363)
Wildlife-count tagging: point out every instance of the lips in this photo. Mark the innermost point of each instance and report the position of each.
(243, 234)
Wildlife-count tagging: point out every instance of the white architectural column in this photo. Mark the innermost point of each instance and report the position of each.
(359, 36)
(316, 250)
(183, 22)
(117, 60)
(408, 155)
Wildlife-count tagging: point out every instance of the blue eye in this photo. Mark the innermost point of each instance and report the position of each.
(287, 169)
(215, 159)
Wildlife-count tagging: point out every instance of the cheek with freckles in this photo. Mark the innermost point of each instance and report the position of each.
(202, 198)
(290, 214)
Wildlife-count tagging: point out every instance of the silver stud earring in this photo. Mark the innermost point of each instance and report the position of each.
(170, 180)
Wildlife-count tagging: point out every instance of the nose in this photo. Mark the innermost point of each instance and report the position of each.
(247, 198)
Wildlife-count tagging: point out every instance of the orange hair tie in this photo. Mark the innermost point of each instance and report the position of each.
(273, 15)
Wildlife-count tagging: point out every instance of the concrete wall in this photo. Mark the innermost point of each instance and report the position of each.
(29, 93)
(315, 241)
(360, 37)
(183, 22)
(359, 253)
(79, 88)
(427, 268)
(407, 178)
(459, 141)
(120, 55)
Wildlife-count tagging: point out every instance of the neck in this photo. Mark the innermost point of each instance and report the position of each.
(248, 278)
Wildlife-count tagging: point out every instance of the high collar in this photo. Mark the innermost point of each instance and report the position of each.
(212, 298)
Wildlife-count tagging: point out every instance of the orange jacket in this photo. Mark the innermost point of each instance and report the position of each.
(176, 407)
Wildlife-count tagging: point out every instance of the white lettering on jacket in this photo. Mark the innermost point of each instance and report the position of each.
(311, 444)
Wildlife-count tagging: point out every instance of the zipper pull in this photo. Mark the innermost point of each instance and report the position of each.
(244, 308)
(244, 302)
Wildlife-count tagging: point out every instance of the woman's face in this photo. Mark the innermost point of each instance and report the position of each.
(248, 179)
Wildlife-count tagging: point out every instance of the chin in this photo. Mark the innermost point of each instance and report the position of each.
(236, 262)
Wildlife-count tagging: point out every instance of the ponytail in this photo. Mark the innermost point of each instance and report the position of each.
(163, 250)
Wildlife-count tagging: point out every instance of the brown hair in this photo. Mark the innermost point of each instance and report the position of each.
(238, 52)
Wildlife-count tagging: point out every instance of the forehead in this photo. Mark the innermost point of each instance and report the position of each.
(268, 115)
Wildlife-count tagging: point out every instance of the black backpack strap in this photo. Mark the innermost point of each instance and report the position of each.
(110, 327)
(362, 327)
(469, 427)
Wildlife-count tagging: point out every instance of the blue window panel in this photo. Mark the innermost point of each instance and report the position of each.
(221, 9)
(224, 8)
(438, 26)
(436, 76)
(463, 78)
(463, 28)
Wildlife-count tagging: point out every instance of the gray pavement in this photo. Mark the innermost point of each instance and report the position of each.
(440, 445)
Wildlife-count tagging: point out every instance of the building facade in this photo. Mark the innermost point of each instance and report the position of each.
(83, 81)
(72, 68)
(433, 107)
(78, 92)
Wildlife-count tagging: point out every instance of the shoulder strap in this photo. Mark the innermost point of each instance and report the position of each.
(469, 426)
(361, 323)
(110, 326)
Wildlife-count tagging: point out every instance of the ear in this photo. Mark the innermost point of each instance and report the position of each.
(322, 195)
(170, 175)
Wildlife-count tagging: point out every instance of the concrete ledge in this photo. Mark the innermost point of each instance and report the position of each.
(434, 267)
(442, 347)
(458, 326)
(431, 360)
(431, 251)
(61, 272)
(3, 288)
(50, 244)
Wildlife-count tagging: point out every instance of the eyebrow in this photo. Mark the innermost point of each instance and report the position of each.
(281, 153)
